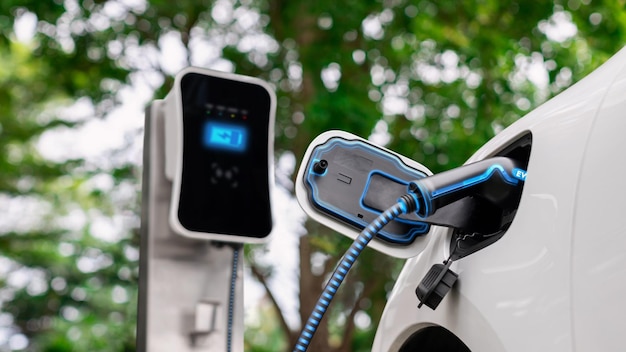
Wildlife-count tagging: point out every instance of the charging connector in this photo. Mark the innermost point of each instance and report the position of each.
(491, 187)
(495, 180)
(481, 197)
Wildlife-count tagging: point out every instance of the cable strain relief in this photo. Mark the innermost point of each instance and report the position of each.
(410, 201)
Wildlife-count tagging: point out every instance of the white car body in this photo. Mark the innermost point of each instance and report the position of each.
(556, 280)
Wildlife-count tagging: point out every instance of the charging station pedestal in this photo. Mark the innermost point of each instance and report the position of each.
(184, 283)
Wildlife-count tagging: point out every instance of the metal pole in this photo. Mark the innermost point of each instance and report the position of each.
(184, 283)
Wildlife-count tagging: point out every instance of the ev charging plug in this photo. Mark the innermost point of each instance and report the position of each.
(494, 183)
(496, 180)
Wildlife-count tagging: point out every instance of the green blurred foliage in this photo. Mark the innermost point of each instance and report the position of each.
(431, 80)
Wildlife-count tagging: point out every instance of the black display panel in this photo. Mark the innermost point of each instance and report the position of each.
(225, 178)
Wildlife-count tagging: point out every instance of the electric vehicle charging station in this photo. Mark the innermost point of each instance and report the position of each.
(208, 150)
(541, 269)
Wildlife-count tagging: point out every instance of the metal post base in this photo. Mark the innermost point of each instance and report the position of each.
(184, 283)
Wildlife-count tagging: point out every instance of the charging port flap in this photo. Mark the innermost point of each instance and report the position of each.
(345, 182)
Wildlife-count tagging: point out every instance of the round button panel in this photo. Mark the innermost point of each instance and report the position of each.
(224, 175)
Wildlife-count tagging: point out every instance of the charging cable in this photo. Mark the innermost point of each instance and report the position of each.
(231, 297)
(406, 204)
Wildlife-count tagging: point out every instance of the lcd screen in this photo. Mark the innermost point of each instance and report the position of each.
(223, 136)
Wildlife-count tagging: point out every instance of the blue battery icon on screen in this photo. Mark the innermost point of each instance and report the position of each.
(225, 136)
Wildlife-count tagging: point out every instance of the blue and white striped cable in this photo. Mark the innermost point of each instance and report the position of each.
(405, 204)
(231, 299)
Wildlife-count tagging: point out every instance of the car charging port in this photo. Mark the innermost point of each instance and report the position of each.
(479, 201)
(484, 225)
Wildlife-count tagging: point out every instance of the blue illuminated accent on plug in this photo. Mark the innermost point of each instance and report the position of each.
(224, 136)
(476, 180)
(519, 174)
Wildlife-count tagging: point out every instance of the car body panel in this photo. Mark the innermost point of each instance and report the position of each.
(555, 280)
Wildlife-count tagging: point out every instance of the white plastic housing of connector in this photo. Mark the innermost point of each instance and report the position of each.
(394, 250)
